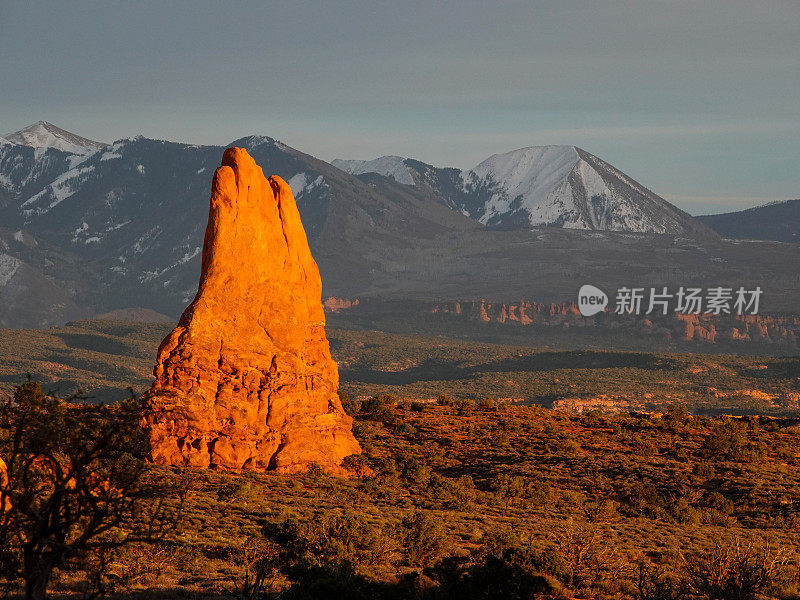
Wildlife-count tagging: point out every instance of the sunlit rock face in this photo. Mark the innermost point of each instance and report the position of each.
(246, 379)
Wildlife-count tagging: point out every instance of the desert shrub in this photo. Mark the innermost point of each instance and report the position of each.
(599, 510)
(498, 439)
(718, 508)
(415, 471)
(643, 445)
(540, 494)
(658, 582)
(676, 416)
(729, 441)
(405, 428)
(508, 488)
(329, 544)
(256, 561)
(590, 552)
(145, 564)
(734, 569)
(643, 499)
(491, 577)
(519, 548)
(417, 406)
(680, 511)
(379, 408)
(458, 494)
(358, 464)
(236, 490)
(315, 471)
(351, 407)
(487, 404)
(704, 470)
(464, 407)
(569, 446)
(423, 538)
(592, 418)
(444, 400)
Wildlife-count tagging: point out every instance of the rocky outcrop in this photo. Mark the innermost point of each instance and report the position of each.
(331, 304)
(246, 379)
(519, 313)
(603, 403)
(5, 504)
(764, 330)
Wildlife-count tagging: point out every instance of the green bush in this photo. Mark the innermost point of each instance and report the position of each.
(508, 488)
(237, 490)
(487, 404)
(492, 577)
(444, 400)
(464, 407)
(424, 539)
(379, 408)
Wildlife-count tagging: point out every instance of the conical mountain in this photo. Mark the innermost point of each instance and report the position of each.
(542, 186)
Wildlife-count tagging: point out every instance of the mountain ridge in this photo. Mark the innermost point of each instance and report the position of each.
(778, 221)
(542, 186)
(122, 227)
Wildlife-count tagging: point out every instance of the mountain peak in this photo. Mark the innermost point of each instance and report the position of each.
(43, 134)
(251, 142)
(388, 166)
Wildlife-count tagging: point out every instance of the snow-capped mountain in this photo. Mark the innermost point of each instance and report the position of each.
(130, 217)
(24, 169)
(46, 135)
(551, 186)
(121, 227)
(388, 166)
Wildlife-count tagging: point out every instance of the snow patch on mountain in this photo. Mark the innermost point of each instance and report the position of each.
(8, 268)
(300, 185)
(388, 166)
(253, 141)
(60, 189)
(297, 183)
(187, 256)
(110, 156)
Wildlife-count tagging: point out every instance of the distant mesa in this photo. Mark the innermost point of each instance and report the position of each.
(246, 379)
(138, 315)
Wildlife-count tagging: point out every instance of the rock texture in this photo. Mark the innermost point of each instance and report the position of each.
(5, 504)
(246, 379)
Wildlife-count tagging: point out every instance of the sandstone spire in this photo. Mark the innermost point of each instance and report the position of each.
(246, 379)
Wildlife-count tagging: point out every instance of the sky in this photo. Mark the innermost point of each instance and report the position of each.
(697, 100)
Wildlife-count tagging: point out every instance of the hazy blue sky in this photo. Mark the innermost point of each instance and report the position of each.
(699, 100)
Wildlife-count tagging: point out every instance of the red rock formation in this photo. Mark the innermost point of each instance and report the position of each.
(246, 379)
(782, 331)
(6, 503)
(335, 305)
(604, 403)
